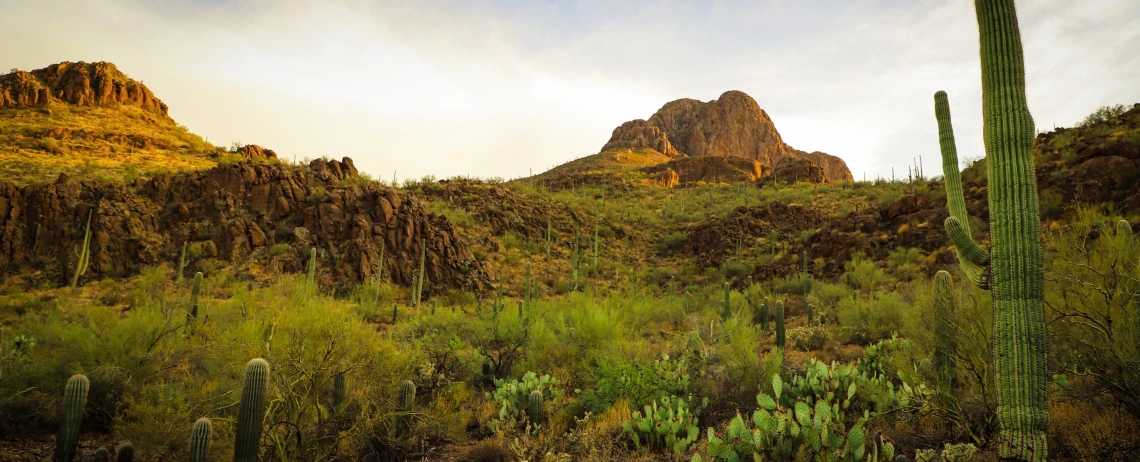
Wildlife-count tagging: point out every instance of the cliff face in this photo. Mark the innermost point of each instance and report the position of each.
(733, 125)
(81, 84)
(257, 215)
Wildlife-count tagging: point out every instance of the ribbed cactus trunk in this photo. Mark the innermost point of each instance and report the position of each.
(1014, 268)
(194, 290)
(182, 263)
(727, 305)
(312, 265)
(125, 452)
(534, 407)
(200, 440)
(251, 413)
(74, 400)
(406, 401)
(780, 324)
(764, 314)
(811, 313)
(945, 341)
(340, 390)
(420, 280)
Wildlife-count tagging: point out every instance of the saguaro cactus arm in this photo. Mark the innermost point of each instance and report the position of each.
(973, 259)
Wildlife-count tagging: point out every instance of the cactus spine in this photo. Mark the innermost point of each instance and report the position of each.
(946, 345)
(74, 400)
(780, 325)
(764, 314)
(83, 253)
(200, 440)
(194, 295)
(182, 262)
(251, 414)
(1014, 268)
(534, 407)
(125, 452)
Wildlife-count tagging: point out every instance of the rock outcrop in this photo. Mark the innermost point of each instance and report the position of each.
(834, 168)
(732, 126)
(251, 214)
(253, 151)
(81, 84)
(796, 169)
(638, 134)
(707, 169)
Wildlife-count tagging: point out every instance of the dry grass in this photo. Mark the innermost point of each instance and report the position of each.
(109, 143)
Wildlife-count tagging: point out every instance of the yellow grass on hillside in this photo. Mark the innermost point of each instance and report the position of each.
(610, 161)
(109, 143)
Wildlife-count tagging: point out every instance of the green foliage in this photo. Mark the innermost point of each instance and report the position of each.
(640, 383)
(200, 440)
(867, 320)
(1102, 114)
(75, 400)
(861, 272)
(669, 426)
(251, 414)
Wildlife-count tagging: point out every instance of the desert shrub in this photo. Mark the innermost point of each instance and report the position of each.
(808, 338)
(868, 320)
(638, 383)
(861, 272)
(1102, 114)
(904, 262)
(1094, 298)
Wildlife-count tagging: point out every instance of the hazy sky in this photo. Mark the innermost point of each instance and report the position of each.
(496, 88)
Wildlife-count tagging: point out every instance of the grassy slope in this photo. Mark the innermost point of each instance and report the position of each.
(125, 142)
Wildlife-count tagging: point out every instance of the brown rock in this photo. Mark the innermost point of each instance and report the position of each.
(710, 169)
(639, 134)
(794, 169)
(253, 151)
(834, 168)
(668, 178)
(82, 84)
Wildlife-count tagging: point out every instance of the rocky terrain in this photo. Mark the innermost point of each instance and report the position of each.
(80, 84)
(260, 216)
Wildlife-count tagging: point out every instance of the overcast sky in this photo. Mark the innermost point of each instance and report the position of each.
(485, 88)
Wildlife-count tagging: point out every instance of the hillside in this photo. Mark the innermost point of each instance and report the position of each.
(89, 120)
(419, 321)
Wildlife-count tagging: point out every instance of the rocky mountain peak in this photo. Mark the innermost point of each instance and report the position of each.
(733, 125)
(81, 84)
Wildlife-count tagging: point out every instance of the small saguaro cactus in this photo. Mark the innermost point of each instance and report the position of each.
(407, 397)
(780, 324)
(811, 313)
(549, 235)
(312, 265)
(395, 313)
(194, 290)
(83, 253)
(1013, 268)
(102, 455)
(251, 413)
(125, 452)
(727, 305)
(340, 390)
(764, 314)
(1123, 228)
(420, 280)
(406, 401)
(74, 400)
(200, 440)
(182, 262)
(534, 407)
(946, 345)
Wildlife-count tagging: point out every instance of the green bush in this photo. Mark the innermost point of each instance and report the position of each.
(1103, 114)
(868, 320)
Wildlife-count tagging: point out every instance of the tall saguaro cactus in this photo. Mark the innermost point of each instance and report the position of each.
(780, 338)
(74, 400)
(312, 265)
(251, 414)
(83, 253)
(1014, 268)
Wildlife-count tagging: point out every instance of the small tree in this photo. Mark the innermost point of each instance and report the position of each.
(1103, 114)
